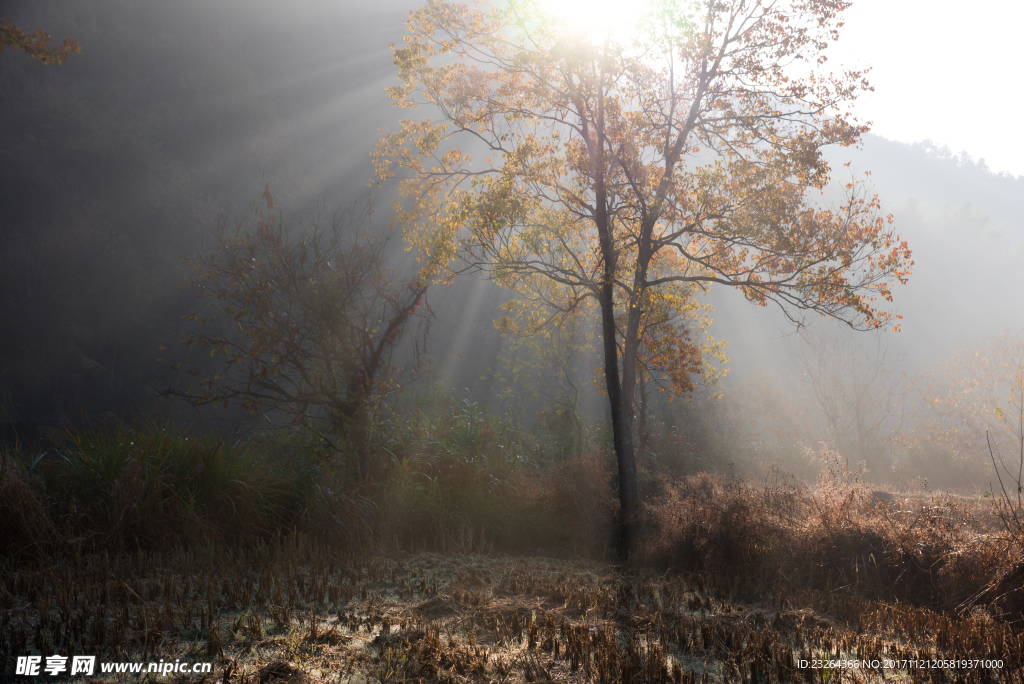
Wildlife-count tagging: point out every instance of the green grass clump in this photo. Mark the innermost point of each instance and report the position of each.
(454, 476)
(26, 525)
(150, 484)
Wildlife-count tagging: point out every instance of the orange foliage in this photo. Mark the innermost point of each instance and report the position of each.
(617, 169)
(36, 44)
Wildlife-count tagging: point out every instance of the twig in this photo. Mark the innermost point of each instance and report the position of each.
(1005, 497)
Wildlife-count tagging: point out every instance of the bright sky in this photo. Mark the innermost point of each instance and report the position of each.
(952, 73)
(949, 72)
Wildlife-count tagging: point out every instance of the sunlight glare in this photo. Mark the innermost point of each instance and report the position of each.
(597, 17)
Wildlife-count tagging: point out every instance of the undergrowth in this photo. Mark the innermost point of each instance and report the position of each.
(920, 548)
(459, 479)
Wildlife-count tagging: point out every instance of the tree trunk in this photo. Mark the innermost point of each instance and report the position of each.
(579, 430)
(641, 429)
(619, 397)
(626, 387)
(621, 431)
(360, 420)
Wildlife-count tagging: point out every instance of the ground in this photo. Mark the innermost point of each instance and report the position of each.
(295, 611)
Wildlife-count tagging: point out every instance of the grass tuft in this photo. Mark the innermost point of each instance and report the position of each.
(27, 528)
(149, 485)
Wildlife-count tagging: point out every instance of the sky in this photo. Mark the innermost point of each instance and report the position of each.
(944, 71)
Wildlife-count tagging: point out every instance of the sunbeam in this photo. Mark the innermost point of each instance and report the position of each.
(597, 18)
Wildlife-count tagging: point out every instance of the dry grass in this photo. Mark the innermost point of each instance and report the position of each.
(26, 527)
(937, 551)
(296, 611)
(731, 582)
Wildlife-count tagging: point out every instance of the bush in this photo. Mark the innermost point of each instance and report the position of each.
(583, 500)
(151, 485)
(922, 549)
(27, 527)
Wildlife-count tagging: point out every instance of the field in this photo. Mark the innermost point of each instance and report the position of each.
(732, 582)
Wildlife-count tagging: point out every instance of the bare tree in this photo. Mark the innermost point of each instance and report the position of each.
(856, 395)
(309, 324)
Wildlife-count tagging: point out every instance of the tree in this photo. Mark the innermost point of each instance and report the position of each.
(547, 358)
(309, 323)
(674, 346)
(691, 155)
(36, 44)
(971, 402)
(857, 395)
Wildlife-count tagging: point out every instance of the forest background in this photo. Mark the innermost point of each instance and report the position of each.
(119, 161)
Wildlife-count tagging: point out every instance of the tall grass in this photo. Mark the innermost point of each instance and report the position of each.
(925, 549)
(451, 470)
(26, 525)
(459, 478)
(455, 469)
(149, 485)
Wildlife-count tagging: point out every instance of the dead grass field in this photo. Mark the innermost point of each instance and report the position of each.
(731, 582)
(298, 612)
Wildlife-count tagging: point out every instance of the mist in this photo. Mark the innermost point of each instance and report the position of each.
(272, 411)
(175, 116)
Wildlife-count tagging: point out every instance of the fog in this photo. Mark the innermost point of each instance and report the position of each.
(968, 244)
(247, 434)
(177, 113)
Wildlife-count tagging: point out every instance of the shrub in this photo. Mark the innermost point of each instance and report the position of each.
(583, 500)
(923, 549)
(150, 485)
(27, 527)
